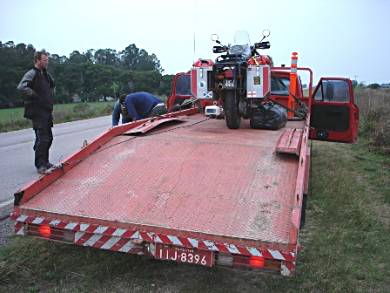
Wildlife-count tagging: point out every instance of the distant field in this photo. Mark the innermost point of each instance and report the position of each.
(12, 119)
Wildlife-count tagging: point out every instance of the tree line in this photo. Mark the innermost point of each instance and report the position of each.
(90, 75)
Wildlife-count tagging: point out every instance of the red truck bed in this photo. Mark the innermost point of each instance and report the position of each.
(196, 180)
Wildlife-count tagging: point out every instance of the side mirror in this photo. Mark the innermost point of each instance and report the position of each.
(214, 37)
(266, 33)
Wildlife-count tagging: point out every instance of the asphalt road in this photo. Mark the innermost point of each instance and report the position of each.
(17, 156)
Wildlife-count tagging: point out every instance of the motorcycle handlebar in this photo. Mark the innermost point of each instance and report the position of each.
(219, 49)
(263, 45)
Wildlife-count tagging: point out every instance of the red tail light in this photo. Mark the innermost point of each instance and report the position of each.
(228, 74)
(256, 262)
(45, 231)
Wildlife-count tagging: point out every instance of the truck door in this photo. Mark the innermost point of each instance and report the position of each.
(334, 115)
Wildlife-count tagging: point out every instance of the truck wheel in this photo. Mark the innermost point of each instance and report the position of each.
(232, 116)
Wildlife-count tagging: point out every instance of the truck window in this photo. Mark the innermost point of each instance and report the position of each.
(333, 91)
(183, 87)
(280, 85)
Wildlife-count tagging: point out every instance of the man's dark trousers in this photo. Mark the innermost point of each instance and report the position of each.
(43, 140)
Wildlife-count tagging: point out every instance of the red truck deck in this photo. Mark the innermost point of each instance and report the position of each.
(193, 184)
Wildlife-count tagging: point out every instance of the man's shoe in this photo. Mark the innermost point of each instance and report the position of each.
(42, 170)
(49, 165)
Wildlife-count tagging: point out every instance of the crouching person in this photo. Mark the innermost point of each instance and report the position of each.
(140, 105)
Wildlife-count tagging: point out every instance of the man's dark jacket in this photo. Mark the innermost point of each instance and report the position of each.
(37, 88)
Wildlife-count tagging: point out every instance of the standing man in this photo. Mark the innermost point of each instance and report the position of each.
(37, 88)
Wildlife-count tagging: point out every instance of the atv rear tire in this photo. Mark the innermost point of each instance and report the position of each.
(232, 116)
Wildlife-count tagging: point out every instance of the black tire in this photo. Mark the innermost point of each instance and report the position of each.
(158, 110)
(232, 116)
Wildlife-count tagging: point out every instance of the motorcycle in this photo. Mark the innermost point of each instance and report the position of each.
(241, 81)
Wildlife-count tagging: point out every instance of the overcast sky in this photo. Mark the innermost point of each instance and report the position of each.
(349, 38)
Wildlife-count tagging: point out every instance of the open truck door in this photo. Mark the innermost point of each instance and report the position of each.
(334, 115)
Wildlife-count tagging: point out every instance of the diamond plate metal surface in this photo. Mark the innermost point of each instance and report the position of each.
(198, 176)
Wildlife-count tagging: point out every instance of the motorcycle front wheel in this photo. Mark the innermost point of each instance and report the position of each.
(232, 116)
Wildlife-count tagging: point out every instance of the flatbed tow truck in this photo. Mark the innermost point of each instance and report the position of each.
(185, 188)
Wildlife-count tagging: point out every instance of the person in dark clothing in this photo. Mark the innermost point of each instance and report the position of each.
(37, 88)
(120, 110)
(140, 105)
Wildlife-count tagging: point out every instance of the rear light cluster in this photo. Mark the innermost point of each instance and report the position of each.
(225, 74)
(253, 262)
(45, 231)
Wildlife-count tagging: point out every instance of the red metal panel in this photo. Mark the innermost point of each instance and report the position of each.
(290, 141)
(34, 187)
(200, 177)
(153, 123)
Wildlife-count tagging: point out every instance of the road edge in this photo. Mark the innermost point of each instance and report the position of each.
(6, 208)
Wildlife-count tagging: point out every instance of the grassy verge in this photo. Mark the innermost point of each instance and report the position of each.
(345, 244)
(374, 108)
(12, 119)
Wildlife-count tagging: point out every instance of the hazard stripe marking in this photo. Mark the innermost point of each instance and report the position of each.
(100, 229)
(20, 231)
(119, 244)
(54, 222)
(92, 240)
(136, 235)
(37, 221)
(118, 239)
(70, 226)
(185, 242)
(232, 248)
(254, 251)
(77, 236)
(126, 248)
(175, 240)
(84, 227)
(146, 236)
(210, 245)
(99, 243)
(110, 243)
(119, 232)
(276, 254)
(22, 218)
(19, 228)
(157, 239)
(194, 242)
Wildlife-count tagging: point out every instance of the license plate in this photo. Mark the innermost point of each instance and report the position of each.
(228, 83)
(184, 255)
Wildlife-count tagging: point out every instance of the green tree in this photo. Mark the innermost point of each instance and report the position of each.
(91, 74)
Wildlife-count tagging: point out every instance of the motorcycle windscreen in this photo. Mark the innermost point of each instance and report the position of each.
(334, 116)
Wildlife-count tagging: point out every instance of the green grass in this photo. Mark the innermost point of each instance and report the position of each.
(12, 119)
(345, 244)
